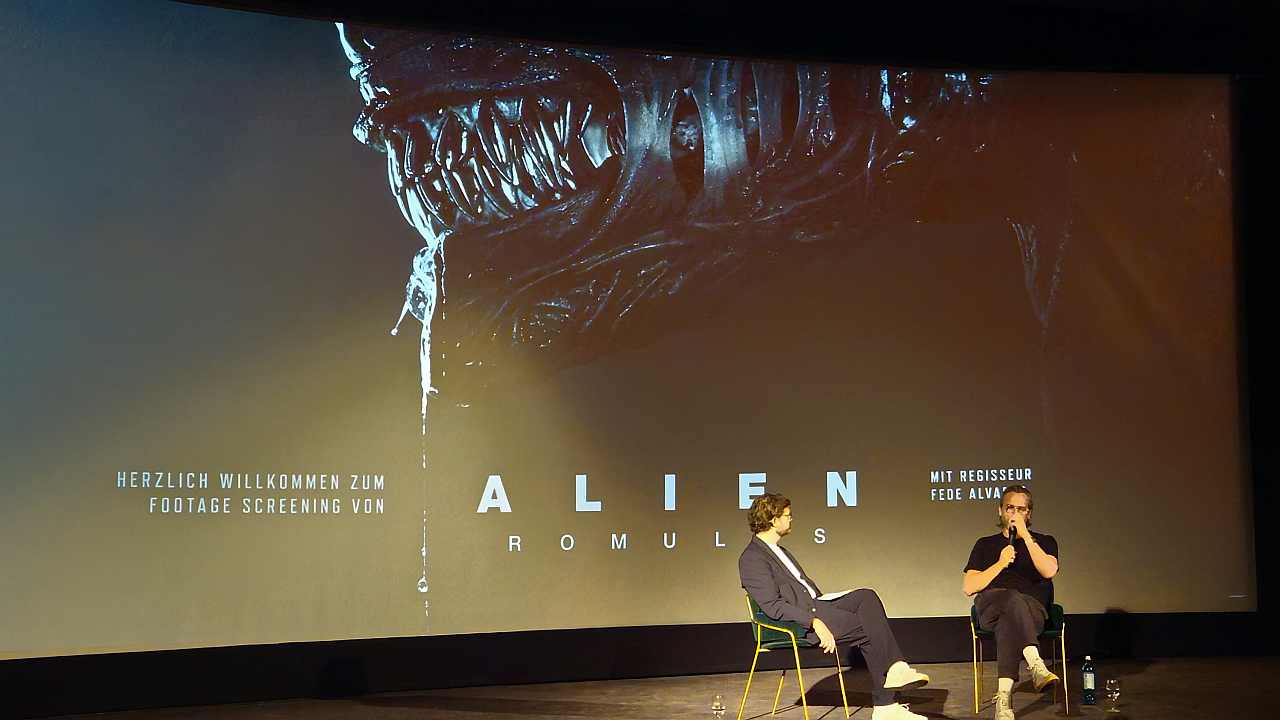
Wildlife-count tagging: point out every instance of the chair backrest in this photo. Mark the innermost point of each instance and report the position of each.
(1057, 617)
(767, 635)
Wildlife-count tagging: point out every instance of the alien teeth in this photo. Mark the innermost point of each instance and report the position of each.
(490, 159)
(429, 204)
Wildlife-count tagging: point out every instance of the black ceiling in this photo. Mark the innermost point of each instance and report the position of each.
(1172, 36)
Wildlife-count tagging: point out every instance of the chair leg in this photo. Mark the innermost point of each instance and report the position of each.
(746, 690)
(977, 666)
(1053, 663)
(778, 694)
(840, 674)
(982, 669)
(1066, 694)
(975, 677)
(804, 701)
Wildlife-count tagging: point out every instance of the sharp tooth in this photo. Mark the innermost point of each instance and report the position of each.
(563, 122)
(534, 173)
(580, 115)
(576, 157)
(463, 197)
(502, 142)
(436, 198)
(431, 122)
(493, 143)
(509, 108)
(466, 146)
(489, 183)
(421, 138)
(595, 141)
(533, 158)
(468, 178)
(513, 172)
(550, 152)
(546, 135)
(429, 204)
(413, 144)
(523, 171)
(509, 191)
(468, 114)
(449, 144)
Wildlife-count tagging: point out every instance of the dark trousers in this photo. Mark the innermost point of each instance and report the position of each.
(1017, 620)
(858, 618)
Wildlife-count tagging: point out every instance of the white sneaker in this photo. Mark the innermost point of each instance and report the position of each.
(896, 711)
(1004, 709)
(902, 676)
(1041, 676)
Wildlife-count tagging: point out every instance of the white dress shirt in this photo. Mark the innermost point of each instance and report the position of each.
(786, 562)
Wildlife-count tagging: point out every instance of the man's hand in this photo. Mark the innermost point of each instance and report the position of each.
(826, 640)
(1007, 555)
(1019, 523)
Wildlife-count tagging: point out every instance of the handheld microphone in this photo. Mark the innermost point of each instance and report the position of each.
(1013, 533)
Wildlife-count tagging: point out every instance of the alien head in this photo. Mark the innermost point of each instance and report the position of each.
(589, 199)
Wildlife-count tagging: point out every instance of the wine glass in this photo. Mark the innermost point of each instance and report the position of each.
(1111, 691)
(717, 707)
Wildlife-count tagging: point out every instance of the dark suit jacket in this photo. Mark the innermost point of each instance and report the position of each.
(772, 585)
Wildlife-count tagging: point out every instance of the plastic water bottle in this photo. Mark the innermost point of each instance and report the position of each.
(717, 707)
(1089, 681)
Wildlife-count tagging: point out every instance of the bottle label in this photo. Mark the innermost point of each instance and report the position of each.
(1088, 681)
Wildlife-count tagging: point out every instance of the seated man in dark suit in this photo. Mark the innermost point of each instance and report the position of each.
(774, 579)
(1011, 572)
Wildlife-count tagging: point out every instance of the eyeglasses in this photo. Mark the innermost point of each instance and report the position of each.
(1017, 508)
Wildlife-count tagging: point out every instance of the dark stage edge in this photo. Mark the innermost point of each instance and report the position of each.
(1158, 688)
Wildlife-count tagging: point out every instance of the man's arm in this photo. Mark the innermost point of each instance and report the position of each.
(1046, 564)
(758, 581)
(977, 580)
(1046, 561)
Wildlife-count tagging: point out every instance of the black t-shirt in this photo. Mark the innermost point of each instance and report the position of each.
(1022, 574)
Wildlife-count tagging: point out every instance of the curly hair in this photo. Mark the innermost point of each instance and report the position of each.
(764, 509)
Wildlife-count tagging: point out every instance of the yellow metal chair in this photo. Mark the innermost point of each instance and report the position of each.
(1055, 628)
(773, 634)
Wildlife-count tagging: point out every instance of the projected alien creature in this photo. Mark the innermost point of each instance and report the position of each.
(588, 200)
(578, 189)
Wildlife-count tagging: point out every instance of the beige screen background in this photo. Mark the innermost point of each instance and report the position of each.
(1049, 285)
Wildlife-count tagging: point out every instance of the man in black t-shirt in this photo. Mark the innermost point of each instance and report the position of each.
(1011, 573)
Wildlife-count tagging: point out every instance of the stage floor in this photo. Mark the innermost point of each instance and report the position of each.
(1159, 689)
